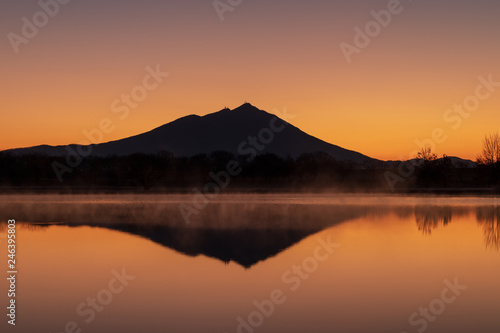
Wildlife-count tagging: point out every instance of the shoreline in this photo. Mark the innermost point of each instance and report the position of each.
(250, 190)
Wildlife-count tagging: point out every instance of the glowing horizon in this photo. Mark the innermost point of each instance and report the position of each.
(395, 91)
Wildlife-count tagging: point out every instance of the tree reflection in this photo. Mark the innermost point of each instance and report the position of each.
(487, 218)
(429, 218)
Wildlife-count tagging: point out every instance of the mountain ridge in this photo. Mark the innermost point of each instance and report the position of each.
(223, 130)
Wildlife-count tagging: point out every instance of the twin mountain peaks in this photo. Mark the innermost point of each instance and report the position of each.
(244, 130)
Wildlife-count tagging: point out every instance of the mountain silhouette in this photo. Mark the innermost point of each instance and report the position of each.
(242, 233)
(225, 130)
(246, 247)
(245, 235)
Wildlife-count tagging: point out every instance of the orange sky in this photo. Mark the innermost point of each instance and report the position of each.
(274, 55)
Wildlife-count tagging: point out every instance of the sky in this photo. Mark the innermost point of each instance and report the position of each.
(402, 83)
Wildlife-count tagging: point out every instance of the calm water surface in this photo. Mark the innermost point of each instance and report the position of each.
(266, 263)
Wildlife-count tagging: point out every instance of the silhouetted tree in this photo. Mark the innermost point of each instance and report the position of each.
(489, 158)
(490, 154)
(426, 166)
(143, 169)
(425, 155)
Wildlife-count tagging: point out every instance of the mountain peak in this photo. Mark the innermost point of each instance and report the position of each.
(225, 130)
(246, 107)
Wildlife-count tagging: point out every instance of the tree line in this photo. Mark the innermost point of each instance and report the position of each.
(317, 170)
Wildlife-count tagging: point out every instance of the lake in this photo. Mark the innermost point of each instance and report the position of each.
(253, 263)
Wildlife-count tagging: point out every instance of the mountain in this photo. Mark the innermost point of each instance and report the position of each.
(456, 162)
(239, 232)
(225, 130)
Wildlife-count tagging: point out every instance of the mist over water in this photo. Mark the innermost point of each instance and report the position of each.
(231, 211)
(394, 254)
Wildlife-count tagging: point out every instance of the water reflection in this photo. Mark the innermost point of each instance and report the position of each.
(245, 247)
(487, 217)
(429, 218)
(392, 260)
(241, 232)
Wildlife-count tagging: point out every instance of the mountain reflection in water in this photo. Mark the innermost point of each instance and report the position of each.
(238, 231)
